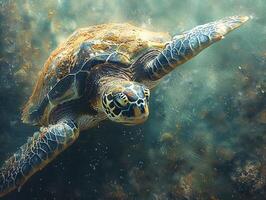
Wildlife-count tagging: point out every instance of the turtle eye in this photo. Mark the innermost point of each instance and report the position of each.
(121, 100)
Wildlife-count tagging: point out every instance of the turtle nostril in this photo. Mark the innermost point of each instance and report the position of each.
(140, 101)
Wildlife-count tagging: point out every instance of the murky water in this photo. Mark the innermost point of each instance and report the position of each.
(205, 138)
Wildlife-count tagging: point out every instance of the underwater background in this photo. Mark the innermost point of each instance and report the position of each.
(206, 134)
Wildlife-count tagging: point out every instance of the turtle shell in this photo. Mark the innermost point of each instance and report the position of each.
(63, 77)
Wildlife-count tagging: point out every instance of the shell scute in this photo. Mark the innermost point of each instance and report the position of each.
(63, 86)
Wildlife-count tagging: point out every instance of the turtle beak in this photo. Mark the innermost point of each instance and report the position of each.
(142, 110)
(141, 113)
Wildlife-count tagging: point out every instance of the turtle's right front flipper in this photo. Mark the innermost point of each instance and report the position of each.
(39, 150)
(188, 44)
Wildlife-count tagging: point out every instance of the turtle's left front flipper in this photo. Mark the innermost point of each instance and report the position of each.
(39, 150)
(188, 44)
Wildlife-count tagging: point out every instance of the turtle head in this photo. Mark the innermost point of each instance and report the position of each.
(126, 102)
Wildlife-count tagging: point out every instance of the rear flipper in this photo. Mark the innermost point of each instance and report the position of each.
(39, 150)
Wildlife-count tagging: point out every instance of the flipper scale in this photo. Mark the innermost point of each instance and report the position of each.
(39, 150)
(188, 44)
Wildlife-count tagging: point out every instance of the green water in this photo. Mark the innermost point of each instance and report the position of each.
(206, 134)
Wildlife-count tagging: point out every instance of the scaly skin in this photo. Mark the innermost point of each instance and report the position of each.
(39, 150)
(187, 45)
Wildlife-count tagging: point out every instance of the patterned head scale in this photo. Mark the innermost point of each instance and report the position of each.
(126, 103)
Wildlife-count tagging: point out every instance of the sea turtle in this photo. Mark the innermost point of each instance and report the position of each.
(103, 71)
